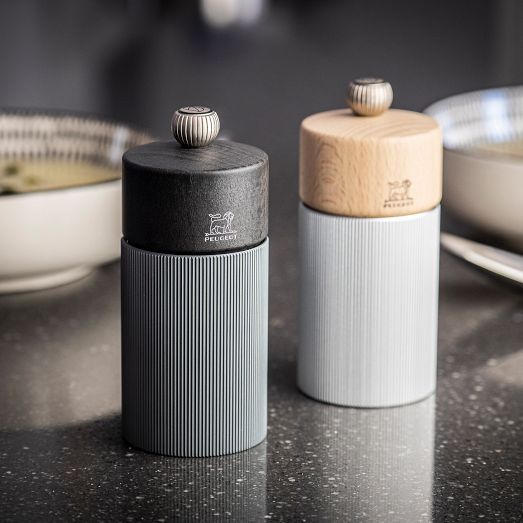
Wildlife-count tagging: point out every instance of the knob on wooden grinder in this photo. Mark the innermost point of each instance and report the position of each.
(370, 185)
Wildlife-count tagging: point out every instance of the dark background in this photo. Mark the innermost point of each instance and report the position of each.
(137, 60)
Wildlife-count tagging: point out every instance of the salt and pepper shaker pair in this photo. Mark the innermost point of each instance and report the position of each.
(195, 273)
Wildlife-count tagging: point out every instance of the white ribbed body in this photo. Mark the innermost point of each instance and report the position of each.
(368, 308)
(194, 351)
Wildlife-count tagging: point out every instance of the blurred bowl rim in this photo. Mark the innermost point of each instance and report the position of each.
(455, 102)
(80, 115)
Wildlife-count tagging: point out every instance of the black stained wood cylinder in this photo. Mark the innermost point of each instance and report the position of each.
(195, 201)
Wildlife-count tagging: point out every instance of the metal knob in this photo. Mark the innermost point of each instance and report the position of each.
(195, 126)
(369, 96)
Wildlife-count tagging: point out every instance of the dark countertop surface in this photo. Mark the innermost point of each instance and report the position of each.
(457, 455)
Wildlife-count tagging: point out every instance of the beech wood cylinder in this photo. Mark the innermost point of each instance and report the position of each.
(386, 165)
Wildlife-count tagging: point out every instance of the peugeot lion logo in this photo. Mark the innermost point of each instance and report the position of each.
(399, 194)
(220, 228)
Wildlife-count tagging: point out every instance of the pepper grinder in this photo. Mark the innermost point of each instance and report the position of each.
(370, 189)
(194, 292)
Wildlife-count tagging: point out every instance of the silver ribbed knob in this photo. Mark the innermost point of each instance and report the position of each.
(195, 126)
(369, 96)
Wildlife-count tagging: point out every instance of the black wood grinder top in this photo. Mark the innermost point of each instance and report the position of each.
(194, 200)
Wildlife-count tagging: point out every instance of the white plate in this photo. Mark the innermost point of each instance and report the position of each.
(53, 237)
(485, 189)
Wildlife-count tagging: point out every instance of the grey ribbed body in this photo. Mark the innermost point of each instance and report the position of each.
(368, 308)
(194, 351)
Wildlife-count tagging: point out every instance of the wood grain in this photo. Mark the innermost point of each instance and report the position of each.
(386, 165)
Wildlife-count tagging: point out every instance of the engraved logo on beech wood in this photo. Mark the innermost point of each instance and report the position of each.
(399, 194)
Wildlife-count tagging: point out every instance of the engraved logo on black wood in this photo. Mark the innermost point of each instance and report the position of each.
(399, 194)
(220, 228)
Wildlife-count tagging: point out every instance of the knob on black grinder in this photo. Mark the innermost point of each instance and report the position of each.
(194, 291)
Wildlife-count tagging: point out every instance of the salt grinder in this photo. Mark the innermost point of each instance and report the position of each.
(370, 189)
(194, 292)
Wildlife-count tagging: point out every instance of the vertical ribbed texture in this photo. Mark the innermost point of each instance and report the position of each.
(194, 351)
(368, 308)
(369, 96)
(195, 130)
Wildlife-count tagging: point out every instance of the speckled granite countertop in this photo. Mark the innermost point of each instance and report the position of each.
(457, 456)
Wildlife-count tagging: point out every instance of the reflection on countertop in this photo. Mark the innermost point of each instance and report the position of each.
(357, 464)
(456, 455)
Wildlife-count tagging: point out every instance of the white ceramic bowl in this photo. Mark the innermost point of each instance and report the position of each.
(52, 237)
(482, 187)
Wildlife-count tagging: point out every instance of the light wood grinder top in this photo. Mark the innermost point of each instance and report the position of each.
(369, 160)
